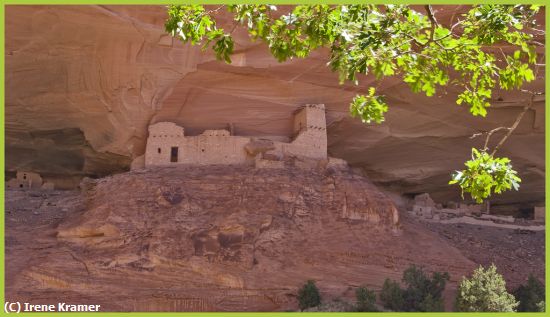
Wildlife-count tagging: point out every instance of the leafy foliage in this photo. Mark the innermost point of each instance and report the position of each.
(308, 295)
(485, 291)
(369, 107)
(192, 23)
(485, 174)
(385, 40)
(422, 293)
(366, 300)
(396, 41)
(392, 295)
(336, 305)
(530, 296)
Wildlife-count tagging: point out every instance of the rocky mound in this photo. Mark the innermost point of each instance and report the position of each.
(228, 239)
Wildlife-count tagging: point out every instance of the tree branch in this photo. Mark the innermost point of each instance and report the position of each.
(431, 15)
(432, 20)
(522, 113)
(514, 126)
(488, 137)
(215, 10)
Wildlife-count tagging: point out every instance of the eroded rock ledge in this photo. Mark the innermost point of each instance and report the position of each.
(225, 238)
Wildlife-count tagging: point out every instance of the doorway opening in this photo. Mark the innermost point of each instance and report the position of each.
(174, 154)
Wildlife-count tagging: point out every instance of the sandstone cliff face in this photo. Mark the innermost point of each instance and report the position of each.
(222, 239)
(83, 83)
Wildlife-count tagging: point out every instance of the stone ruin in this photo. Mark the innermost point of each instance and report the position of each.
(167, 145)
(28, 180)
(423, 207)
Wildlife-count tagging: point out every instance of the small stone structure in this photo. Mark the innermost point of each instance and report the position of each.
(426, 209)
(423, 206)
(48, 186)
(25, 180)
(29, 180)
(168, 145)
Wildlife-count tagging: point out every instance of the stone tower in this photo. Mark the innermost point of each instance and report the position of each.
(310, 130)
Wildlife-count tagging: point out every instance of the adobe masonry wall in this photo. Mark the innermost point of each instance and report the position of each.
(25, 180)
(29, 180)
(310, 129)
(219, 147)
(211, 147)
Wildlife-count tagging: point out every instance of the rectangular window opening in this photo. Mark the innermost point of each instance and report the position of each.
(174, 154)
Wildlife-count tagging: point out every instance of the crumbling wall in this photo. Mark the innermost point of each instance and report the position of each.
(337, 163)
(423, 206)
(214, 148)
(478, 214)
(167, 143)
(263, 163)
(311, 133)
(25, 180)
(308, 144)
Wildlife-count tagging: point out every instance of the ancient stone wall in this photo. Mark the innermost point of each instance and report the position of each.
(162, 137)
(167, 143)
(311, 133)
(25, 180)
(215, 148)
(262, 163)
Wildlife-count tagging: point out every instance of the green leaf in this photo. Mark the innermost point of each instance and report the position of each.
(369, 107)
(484, 175)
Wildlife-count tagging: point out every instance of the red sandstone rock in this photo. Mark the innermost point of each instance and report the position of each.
(226, 239)
(90, 79)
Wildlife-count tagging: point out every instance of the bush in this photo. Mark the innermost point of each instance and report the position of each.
(430, 304)
(392, 295)
(308, 295)
(422, 293)
(530, 295)
(365, 300)
(485, 291)
(333, 306)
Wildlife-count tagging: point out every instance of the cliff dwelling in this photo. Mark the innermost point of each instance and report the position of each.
(29, 180)
(167, 143)
(25, 180)
(154, 167)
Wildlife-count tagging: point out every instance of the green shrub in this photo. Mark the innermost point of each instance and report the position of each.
(365, 300)
(422, 293)
(332, 306)
(430, 304)
(308, 295)
(530, 295)
(485, 291)
(392, 295)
